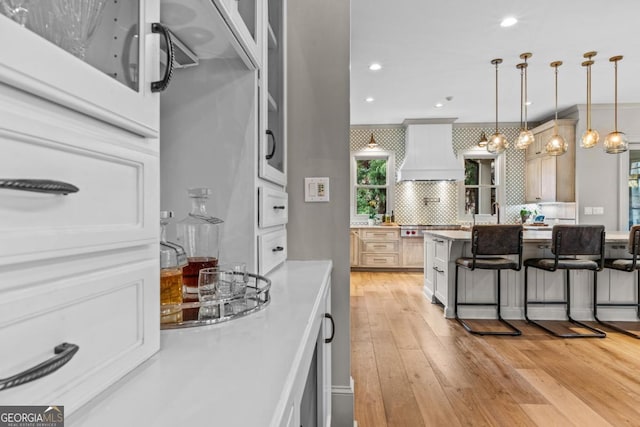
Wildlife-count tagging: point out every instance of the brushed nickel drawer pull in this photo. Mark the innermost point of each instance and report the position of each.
(63, 353)
(39, 186)
(278, 207)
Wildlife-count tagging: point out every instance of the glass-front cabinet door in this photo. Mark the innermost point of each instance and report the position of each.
(95, 56)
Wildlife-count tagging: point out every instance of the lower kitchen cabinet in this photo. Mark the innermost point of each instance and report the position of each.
(270, 368)
(412, 252)
(436, 274)
(354, 247)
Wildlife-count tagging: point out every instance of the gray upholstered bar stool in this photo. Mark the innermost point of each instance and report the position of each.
(629, 265)
(490, 244)
(567, 243)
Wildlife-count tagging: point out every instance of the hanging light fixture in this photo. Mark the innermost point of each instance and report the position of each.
(616, 142)
(556, 145)
(590, 137)
(483, 140)
(525, 138)
(497, 142)
(372, 143)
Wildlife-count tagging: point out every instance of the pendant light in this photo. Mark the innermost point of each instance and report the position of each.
(590, 137)
(616, 142)
(483, 140)
(525, 138)
(556, 145)
(372, 143)
(497, 142)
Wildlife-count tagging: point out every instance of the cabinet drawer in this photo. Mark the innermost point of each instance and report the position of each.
(272, 250)
(375, 234)
(115, 204)
(380, 247)
(379, 260)
(111, 314)
(273, 207)
(440, 267)
(441, 249)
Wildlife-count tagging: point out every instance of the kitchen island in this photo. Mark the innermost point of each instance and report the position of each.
(443, 247)
(260, 370)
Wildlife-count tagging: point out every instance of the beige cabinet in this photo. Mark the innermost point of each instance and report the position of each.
(379, 247)
(412, 252)
(354, 247)
(551, 178)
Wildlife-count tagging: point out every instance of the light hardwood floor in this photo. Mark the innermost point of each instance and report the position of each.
(412, 367)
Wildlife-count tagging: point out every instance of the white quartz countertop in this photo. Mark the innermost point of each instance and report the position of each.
(236, 373)
(528, 235)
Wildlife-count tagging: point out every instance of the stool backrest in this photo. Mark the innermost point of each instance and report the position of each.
(496, 239)
(634, 240)
(578, 240)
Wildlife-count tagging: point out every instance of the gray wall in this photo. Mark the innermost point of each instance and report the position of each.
(598, 180)
(318, 145)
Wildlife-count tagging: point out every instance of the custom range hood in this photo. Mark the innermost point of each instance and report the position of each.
(429, 152)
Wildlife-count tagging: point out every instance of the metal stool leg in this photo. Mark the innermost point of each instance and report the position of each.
(513, 331)
(610, 325)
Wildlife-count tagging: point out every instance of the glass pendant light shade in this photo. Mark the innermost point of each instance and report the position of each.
(556, 145)
(590, 137)
(525, 138)
(616, 142)
(497, 142)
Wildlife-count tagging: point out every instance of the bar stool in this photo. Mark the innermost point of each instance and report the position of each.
(568, 242)
(489, 246)
(629, 265)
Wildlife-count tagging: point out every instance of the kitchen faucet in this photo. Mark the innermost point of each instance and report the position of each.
(496, 205)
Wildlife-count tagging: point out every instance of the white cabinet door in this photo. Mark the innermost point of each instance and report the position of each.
(324, 364)
(101, 65)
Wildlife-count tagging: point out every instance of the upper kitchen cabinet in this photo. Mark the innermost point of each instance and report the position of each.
(214, 29)
(101, 57)
(551, 178)
(273, 103)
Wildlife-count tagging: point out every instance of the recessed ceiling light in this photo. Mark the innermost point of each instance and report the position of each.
(439, 105)
(375, 66)
(508, 21)
(369, 99)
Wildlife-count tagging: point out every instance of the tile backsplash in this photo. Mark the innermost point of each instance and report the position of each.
(410, 206)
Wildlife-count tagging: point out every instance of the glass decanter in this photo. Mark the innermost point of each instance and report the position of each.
(199, 234)
(172, 259)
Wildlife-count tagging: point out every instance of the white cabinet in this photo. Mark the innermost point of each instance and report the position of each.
(110, 75)
(436, 270)
(80, 268)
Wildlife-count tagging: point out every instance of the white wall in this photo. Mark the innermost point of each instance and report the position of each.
(318, 145)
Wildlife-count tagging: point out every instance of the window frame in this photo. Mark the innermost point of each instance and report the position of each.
(390, 184)
(499, 176)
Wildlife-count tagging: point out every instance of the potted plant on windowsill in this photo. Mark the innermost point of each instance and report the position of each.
(373, 211)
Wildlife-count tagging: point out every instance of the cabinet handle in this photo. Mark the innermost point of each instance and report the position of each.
(63, 353)
(161, 85)
(380, 246)
(39, 186)
(277, 249)
(273, 149)
(438, 270)
(438, 241)
(279, 207)
(333, 328)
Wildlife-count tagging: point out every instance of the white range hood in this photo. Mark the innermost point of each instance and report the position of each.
(429, 152)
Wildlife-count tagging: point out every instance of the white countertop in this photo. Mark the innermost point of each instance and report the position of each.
(236, 373)
(528, 235)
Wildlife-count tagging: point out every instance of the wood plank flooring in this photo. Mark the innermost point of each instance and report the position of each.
(412, 367)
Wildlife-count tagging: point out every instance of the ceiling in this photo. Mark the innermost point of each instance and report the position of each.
(430, 50)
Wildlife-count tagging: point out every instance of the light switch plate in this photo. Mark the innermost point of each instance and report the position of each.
(588, 211)
(316, 189)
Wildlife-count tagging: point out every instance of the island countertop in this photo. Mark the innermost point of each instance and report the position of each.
(533, 236)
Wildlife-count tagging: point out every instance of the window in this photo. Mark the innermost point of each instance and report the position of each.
(482, 186)
(372, 176)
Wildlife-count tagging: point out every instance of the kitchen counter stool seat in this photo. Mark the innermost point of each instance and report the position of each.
(629, 265)
(490, 244)
(567, 243)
